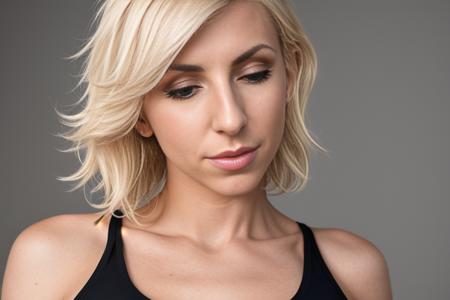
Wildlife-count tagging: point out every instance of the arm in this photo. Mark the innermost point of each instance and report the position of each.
(361, 267)
(33, 265)
(371, 278)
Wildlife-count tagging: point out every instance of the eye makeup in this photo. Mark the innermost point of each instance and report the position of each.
(186, 92)
(261, 59)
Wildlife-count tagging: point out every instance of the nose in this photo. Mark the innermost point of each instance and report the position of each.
(229, 115)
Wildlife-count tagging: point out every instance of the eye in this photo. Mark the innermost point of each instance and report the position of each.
(187, 91)
(181, 93)
(259, 77)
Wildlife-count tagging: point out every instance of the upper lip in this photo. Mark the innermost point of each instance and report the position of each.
(233, 153)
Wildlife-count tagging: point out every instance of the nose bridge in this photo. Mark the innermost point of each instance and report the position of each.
(229, 110)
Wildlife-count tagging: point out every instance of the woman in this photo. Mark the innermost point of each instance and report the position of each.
(173, 88)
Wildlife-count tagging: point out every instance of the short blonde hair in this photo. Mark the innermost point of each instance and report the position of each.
(130, 50)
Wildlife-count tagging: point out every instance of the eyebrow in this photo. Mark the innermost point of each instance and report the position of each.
(241, 58)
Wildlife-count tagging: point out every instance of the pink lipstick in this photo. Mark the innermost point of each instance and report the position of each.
(231, 163)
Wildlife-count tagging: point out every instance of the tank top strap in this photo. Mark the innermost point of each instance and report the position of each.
(308, 240)
(316, 269)
(113, 228)
(114, 233)
(118, 260)
(314, 252)
(117, 263)
(115, 260)
(106, 258)
(307, 261)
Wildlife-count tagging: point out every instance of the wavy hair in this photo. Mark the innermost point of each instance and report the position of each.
(132, 46)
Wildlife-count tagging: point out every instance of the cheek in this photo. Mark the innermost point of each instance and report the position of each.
(268, 115)
(176, 131)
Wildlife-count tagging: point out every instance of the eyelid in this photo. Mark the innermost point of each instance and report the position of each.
(260, 68)
(176, 87)
(263, 61)
(243, 73)
(267, 74)
(260, 62)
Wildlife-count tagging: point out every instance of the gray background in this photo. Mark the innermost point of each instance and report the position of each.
(380, 105)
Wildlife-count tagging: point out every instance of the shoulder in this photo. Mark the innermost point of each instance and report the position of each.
(44, 255)
(356, 263)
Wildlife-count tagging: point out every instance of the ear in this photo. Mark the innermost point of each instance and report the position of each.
(143, 127)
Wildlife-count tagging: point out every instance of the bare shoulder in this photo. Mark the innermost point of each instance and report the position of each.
(44, 256)
(357, 264)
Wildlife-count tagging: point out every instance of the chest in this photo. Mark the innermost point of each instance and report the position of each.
(177, 270)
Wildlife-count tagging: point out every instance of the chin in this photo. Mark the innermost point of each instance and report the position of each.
(236, 184)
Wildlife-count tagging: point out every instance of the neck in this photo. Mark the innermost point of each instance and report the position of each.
(211, 220)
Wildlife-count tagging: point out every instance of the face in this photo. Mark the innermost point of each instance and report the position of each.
(221, 104)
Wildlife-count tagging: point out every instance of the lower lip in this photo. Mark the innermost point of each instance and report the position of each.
(234, 163)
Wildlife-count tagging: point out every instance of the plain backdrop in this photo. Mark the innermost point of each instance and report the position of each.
(380, 105)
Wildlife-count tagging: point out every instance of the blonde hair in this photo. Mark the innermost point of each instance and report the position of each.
(127, 55)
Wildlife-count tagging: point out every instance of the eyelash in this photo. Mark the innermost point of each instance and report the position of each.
(260, 78)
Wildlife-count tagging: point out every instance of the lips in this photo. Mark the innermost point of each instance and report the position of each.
(234, 153)
(235, 163)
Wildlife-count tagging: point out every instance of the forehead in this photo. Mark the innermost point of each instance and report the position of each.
(237, 27)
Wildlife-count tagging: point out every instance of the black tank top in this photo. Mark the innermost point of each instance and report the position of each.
(110, 278)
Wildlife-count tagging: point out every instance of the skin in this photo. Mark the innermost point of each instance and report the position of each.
(213, 232)
(201, 202)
